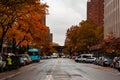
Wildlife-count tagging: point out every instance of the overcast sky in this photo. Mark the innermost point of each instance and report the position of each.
(62, 15)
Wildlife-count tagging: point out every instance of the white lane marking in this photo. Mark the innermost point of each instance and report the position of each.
(50, 77)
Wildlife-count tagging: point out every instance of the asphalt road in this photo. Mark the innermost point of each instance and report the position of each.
(66, 69)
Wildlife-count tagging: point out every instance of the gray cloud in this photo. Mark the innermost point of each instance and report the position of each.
(62, 15)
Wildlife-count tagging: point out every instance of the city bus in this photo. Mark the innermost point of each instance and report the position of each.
(34, 54)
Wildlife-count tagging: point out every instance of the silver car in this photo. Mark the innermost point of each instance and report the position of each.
(116, 63)
(105, 61)
(90, 59)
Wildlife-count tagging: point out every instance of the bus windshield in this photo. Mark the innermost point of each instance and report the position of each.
(33, 53)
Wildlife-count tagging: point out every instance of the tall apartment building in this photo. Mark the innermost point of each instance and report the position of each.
(95, 11)
(43, 21)
(43, 17)
(112, 18)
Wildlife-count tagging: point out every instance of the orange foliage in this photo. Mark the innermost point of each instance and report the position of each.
(27, 27)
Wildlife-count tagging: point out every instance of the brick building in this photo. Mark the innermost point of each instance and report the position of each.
(95, 11)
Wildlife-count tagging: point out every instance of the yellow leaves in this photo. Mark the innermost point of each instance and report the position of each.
(99, 32)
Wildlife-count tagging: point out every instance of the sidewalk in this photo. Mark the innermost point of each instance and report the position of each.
(9, 74)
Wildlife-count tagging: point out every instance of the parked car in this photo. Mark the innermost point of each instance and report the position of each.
(63, 56)
(29, 59)
(26, 58)
(116, 63)
(15, 60)
(77, 58)
(2, 63)
(97, 60)
(83, 57)
(43, 57)
(105, 61)
(73, 57)
(48, 57)
(54, 56)
(22, 60)
(90, 59)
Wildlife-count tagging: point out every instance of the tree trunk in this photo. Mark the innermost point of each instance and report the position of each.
(14, 45)
(1, 42)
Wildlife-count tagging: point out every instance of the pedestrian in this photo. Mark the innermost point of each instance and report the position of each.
(9, 63)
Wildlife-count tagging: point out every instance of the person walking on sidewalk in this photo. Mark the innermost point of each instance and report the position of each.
(9, 63)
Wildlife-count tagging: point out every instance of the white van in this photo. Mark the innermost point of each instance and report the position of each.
(85, 58)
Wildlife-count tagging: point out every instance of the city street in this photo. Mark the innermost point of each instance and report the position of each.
(59, 40)
(65, 69)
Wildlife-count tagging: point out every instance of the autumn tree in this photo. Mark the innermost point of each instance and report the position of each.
(17, 16)
(99, 33)
(82, 36)
(8, 15)
(44, 41)
(71, 38)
